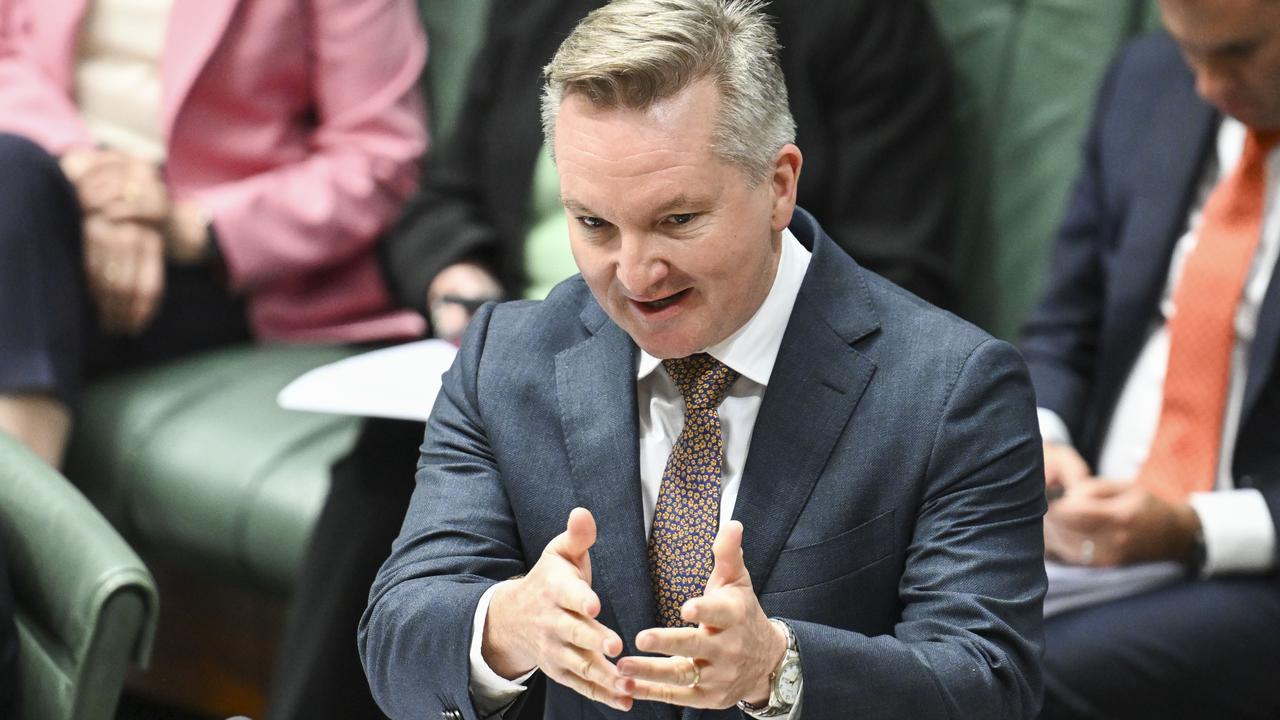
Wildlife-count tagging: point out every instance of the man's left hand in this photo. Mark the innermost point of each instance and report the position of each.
(1107, 523)
(735, 646)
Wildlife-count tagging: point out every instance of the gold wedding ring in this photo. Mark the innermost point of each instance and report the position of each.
(697, 672)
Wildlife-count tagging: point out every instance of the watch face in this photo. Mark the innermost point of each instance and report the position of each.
(789, 683)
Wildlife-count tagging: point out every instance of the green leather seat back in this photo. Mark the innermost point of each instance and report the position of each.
(455, 29)
(86, 605)
(1026, 75)
(194, 458)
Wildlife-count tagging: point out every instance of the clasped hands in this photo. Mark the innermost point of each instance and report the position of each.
(130, 226)
(547, 619)
(1106, 523)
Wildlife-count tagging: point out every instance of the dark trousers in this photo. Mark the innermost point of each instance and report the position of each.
(49, 337)
(1198, 649)
(318, 673)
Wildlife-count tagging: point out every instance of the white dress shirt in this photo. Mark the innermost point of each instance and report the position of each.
(1238, 530)
(751, 351)
(117, 76)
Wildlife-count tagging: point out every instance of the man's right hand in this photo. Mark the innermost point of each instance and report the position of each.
(547, 620)
(1063, 467)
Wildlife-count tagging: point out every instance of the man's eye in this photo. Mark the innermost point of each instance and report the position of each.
(593, 223)
(681, 219)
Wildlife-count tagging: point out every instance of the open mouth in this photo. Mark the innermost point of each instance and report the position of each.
(660, 304)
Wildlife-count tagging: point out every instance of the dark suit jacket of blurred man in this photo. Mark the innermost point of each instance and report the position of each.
(1145, 157)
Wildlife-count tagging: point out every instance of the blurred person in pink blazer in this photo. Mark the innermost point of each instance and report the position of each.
(180, 174)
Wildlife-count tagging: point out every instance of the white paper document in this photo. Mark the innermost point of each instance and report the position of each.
(399, 382)
(1072, 586)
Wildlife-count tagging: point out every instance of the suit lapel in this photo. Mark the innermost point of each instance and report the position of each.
(1164, 189)
(816, 384)
(596, 386)
(195, 28)
(1262, 353)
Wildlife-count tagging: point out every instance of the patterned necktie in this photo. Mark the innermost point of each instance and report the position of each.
(687, 515)
(1184, 453)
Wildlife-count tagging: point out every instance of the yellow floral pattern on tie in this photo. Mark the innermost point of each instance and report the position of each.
(687, 514)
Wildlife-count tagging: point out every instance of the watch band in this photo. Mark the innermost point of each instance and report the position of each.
(787, 673)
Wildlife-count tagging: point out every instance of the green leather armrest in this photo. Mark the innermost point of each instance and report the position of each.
(86, 605)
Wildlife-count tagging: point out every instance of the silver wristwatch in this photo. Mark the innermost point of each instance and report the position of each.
(784, 682)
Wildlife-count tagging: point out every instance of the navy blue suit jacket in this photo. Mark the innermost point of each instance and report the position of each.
(892, 500)
(1144, 158)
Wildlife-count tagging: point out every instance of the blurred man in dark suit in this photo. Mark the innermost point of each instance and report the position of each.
(1153, 357)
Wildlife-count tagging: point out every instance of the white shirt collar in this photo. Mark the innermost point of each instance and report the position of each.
(753, 348)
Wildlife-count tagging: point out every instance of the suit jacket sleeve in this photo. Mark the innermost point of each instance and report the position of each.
(31, 103)
(969, 640)
(459, 538)
(332, 204)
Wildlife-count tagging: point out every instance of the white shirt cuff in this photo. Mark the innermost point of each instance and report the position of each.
(1239, 534)
(1052, 427)
(489, 691)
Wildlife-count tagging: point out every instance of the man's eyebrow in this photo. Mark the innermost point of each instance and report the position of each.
(574, 206)
(680, 202)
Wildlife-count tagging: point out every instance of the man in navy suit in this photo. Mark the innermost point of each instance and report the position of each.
(724, 469)
(1162, 547)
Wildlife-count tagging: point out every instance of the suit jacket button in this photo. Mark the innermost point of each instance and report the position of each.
(1247, 481)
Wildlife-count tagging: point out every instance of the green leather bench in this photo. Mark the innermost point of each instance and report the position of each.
(86, 605)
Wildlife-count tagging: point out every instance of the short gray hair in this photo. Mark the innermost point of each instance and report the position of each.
(636, 53)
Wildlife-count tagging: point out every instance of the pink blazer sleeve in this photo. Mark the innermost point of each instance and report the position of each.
(32, 102)
(361, 159)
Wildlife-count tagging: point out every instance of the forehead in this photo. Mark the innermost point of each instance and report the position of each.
(601, 152)
(1208, 26)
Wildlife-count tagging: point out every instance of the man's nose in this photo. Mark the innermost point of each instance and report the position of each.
(1213, 84)
(639, 268)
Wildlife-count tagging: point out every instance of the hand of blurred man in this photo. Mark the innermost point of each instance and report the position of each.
(1106, 523)
(454, 296)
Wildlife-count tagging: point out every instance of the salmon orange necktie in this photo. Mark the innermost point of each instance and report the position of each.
(1184, 453)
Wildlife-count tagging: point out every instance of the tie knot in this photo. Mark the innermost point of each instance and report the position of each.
(702, 379)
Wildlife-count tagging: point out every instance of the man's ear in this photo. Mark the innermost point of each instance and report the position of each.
(784, 183)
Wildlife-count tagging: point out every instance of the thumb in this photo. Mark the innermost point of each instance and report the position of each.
(729, 568)
(579, 536)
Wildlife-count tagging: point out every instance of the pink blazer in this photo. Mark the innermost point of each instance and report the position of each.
(296, 123)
